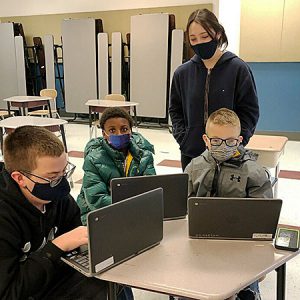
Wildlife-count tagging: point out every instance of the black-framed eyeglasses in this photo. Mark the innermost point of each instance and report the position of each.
(231, 142)
(68, 171)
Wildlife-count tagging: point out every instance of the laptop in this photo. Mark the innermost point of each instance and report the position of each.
(118, 232)
(175, 187)
(233, 218)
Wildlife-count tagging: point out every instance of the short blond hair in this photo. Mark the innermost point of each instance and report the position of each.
(24, 145)
(224, 117)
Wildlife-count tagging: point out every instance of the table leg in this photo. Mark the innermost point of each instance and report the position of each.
(281, 271)
(277, 170)
(24, 110)
(112, 291)
(135, 116)
(90, 121)
(8, 108)
(1, 139)
(49, 108)
(63, 136)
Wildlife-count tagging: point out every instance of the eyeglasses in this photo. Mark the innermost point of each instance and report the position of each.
(68, 171)
(231, 142)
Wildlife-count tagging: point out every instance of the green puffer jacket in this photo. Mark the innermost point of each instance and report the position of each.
(103, 163)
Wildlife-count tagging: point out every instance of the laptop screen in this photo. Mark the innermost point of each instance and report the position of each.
(233, 218)
(175, 191)
(124, 229)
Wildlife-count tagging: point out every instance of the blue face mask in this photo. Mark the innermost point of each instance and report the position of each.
(206, 50)
(119, 141)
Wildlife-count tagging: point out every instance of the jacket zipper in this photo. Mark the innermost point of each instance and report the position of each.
(206, 93)
(214, 190)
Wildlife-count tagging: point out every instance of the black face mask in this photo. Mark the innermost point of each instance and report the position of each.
(206, 50)
(45, 192)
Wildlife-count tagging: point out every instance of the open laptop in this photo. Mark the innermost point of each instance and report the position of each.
(118, 232)
(233, 218)
(175, 187)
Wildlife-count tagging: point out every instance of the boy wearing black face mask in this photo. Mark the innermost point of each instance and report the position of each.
(119, 153)
(39, 221)
(226, 169)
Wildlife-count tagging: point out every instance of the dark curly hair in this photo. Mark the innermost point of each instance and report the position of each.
(115, 112)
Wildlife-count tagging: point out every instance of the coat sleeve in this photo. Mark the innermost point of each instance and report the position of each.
(259, 184)
(176, 110)
(94, 191)
(189, 170)
(246, 104)
(24, 276)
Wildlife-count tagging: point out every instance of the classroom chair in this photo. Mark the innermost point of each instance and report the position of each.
(45, 112)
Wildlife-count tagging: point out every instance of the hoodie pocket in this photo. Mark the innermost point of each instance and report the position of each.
(193, 144)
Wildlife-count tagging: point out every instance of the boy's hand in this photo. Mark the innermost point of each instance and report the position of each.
(72, 239)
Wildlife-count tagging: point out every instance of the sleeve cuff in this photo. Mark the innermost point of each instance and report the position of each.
(52, 252)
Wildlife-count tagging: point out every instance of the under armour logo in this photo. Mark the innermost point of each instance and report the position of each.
(235, 178)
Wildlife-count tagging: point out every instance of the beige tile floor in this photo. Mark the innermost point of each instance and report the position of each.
(166, 148)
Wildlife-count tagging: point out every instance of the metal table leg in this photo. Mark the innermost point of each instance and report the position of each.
(112, 291)
(8, 108)
(63, 136)
(1, 139)
(281, 274)
(135, 116)
(49, 108)
(90, 121)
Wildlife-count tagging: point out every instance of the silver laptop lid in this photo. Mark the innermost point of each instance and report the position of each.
(233, 218)
(175, 190)
(124, 229)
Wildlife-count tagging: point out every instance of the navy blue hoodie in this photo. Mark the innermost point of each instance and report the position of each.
(230, 85)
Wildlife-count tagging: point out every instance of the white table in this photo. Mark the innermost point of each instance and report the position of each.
(199, 269)
(28, 102)
(269, 149)
(53, 125)
(98, 105)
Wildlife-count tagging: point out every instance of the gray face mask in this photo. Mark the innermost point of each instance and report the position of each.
(223, 152)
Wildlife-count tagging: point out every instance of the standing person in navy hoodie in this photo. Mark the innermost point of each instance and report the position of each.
(212, 79)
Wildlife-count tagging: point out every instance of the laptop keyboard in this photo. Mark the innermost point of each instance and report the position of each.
(80, 258)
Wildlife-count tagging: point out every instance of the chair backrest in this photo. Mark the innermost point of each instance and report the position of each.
(116, 97)
(52, 93)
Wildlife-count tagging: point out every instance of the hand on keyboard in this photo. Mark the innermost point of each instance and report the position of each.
(72, 239)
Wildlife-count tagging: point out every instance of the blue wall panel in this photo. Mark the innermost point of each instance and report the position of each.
(278, 87)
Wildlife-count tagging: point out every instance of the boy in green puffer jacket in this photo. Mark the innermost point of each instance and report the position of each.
(119, 153)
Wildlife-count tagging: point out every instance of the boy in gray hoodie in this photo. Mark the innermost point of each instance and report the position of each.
(226, 169)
